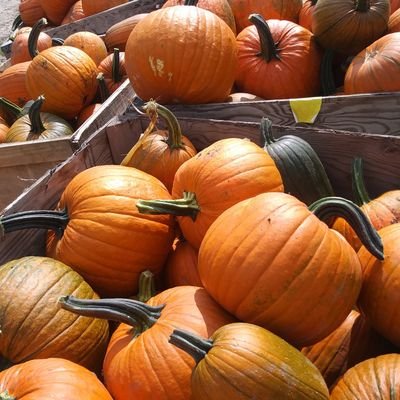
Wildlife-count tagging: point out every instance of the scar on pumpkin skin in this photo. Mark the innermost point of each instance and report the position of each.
(157, 67)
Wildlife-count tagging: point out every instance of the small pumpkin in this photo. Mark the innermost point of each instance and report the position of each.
(52, 378)
(245, 361)
(38, 126)
(160, 152)
(75, 13)
(113, 69)
(12, 84)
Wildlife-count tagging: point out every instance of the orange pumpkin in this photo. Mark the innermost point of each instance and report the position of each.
(113, 69)
(75, 13)
(30, 11)
(3, 130)
(305, 15)
(181, 54)
(55, 10)
(12, 83)
(53, 378)
(394, 22)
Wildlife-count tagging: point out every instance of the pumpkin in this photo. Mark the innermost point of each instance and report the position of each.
(86, 113)
(270, 9)
(19, 47)
(283, 51)
(181, 266)
(348, 26)
(30, 11)
(305, 14)
(65, 75)
(382, 211)
(99, 206)
(113, 69)
(373, 68)
(244, 361)
(301, 169)
(379, 294)
(3, 129)
(38, 126)
(160, 152)
(372, 379)
(75, 13)
(270, 248)
(140, 363)
(181, 54)
(32, 323)
(221, 8)
(52, 378)
(55, 10)
(12, 83)
(394, 5)
(216, 178)
(394, 22)
(91, 7)
(88, 42)
(352, 342)
(117, 35)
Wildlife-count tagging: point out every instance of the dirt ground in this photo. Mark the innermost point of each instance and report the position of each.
(8, 12)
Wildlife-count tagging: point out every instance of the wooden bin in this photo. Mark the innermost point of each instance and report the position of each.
(22, 163)
(109, 144)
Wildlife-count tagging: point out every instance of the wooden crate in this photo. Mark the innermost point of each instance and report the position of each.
(109, 144)
(98, 23)
(22, 163)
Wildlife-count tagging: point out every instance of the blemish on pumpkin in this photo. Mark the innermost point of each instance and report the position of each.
(157, 66)
(170, 76)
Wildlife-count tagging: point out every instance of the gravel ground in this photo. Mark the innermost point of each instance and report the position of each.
(8, 12)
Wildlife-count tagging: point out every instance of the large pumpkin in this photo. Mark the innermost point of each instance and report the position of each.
(12, 83)
(32, 323)
(181, 54)
(270, 261)
(53, 378)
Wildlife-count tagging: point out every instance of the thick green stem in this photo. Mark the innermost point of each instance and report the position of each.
(104, 93)
(174, 140)
(116, 70)
(327, 80)
(193, 345)
(34, 36)
(127, 311)
(268, 48)
(41, 219)
(362, 5)
(329, 207)
(6, 396)
(16, 25)
(187, 206)
(10, 111)
(37, 126)
(146, 286)
(266, 132)
(359, 190)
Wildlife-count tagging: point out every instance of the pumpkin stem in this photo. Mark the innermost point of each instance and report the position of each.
(4, 363)
(193, 345)
(128, 311)
(313, 2)
(174, 140)
(116, 71)
(329, 207)
(187, 206)
(104, 93)
(37, 126)
(266, 132)
(34, 36)
(269, 49)
(57, 41)
(147, 287)
(190, 2)
(43, 219)
(362, 5)
(6, 396)
(17, 23)
(10, 111)
(361, 195)
(327, 80)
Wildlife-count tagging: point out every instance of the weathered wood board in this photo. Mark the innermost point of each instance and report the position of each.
(110, 143)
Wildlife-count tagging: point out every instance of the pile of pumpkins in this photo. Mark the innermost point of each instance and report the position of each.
(231, 272)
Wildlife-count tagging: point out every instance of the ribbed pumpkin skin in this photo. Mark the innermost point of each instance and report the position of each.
(30, 11)
(305, 14)
(32, 323)
(380, 295)
(382, 211)
(12, 84)
(218, 7)
(91, 7)
(296, 74)
(269, 9)
(148, 367)
(55, 10)
(394, 5)
(3, 130)
(338, 26)
(55, 127)
(282, 268)
(117, 35)
(248, 362)
(53, 378)
(107, 240)
(90, 43)
(66, 76)
(352, 342)
(372, 70)
(75, 13)
(181, 266)
(105, 66)
(374, 379)
(19, 47)
(238, 168)
(394, 22)
(181, 54)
